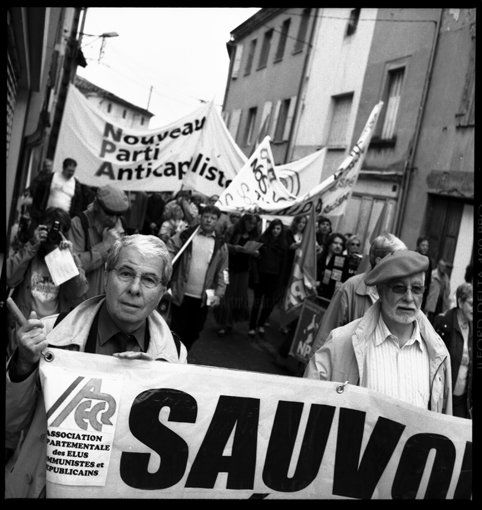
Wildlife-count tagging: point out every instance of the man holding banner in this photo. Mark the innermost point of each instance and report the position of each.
(124, 324)
(393, 348)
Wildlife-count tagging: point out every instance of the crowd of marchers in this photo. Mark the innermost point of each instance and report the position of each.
(151, 266)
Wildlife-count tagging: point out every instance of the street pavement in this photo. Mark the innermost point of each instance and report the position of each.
(238, 351)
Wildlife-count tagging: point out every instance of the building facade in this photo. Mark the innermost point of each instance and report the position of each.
(417, 177)
(119, 110)
(42, 56)
(440, 182)
(269, 52)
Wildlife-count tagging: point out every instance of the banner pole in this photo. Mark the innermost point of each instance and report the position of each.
(184, 246)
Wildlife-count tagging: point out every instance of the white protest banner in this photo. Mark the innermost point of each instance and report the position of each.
(268, 195)
(256, 185)
(148, 429)
(301, 176)
(196, 151)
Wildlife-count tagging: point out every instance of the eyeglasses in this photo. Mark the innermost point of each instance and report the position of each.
(399, 288)
(149, 281)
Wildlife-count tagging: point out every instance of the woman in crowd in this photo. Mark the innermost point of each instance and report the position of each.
(173, 222)
(455, 329)
(270, 264)
(29, 275)
(234, 305)
(323, 231)
(330, 266)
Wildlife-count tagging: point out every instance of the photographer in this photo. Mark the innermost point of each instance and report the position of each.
(28, 272)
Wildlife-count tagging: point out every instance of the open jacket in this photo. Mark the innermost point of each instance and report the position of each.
(342, 357)
(216, 274)
(447, 326)
(25, 410)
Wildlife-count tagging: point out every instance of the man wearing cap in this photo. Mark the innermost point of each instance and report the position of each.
(95, 230)
(393, 348)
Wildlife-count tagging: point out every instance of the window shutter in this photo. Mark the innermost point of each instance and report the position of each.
(234, 124)
(274, 120)
(226, 117)
(266, 112)
(289, 118)
(237, 61)
(393, 103)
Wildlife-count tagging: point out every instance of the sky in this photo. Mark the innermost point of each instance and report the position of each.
(179, 52)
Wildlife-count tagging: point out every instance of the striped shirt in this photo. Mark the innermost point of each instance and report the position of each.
(399, 372)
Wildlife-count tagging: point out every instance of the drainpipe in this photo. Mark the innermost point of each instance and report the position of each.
(291, 145)
(408, 168)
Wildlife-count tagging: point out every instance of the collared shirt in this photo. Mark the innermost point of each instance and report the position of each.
(106, 328)
(399, 372)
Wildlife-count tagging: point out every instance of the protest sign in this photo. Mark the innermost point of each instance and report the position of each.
(146, 429)
(308, 323)
(195, 152)
(61, 265)
(258, 186)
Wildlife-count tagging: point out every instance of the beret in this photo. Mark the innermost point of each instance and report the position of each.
(113, 199)
(399, 264)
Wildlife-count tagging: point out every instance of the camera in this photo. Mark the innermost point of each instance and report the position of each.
(53, 236)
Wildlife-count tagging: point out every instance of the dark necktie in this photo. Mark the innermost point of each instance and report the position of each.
(122, 341)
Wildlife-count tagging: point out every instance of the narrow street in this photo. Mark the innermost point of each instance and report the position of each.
(238, 351)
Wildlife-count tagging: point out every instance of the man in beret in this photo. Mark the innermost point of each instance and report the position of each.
(393, 348)
(95, 230)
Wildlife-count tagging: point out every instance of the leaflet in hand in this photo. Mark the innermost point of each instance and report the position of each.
(61, 265)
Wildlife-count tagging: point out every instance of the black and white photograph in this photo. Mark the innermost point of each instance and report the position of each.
(241, 246)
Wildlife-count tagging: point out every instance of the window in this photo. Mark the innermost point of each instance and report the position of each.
(142, 121)
(238, 53)
(282, 40)
(265, 119)
(392, 102)
(124, 113)
(263, 57)
(226, 117)
(249, 129)
(282, 119)
(352, 22)
(109, 107)
(337, 135)
(234, 123)
(302, 30)
(249, 61)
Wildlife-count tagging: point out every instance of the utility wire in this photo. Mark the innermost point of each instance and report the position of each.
(143, 84)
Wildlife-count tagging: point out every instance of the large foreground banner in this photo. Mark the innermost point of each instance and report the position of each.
(150, 429)
(195, 152)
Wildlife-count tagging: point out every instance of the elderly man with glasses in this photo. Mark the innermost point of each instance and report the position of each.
(123, 323)
(95, 230)
(393, 348)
